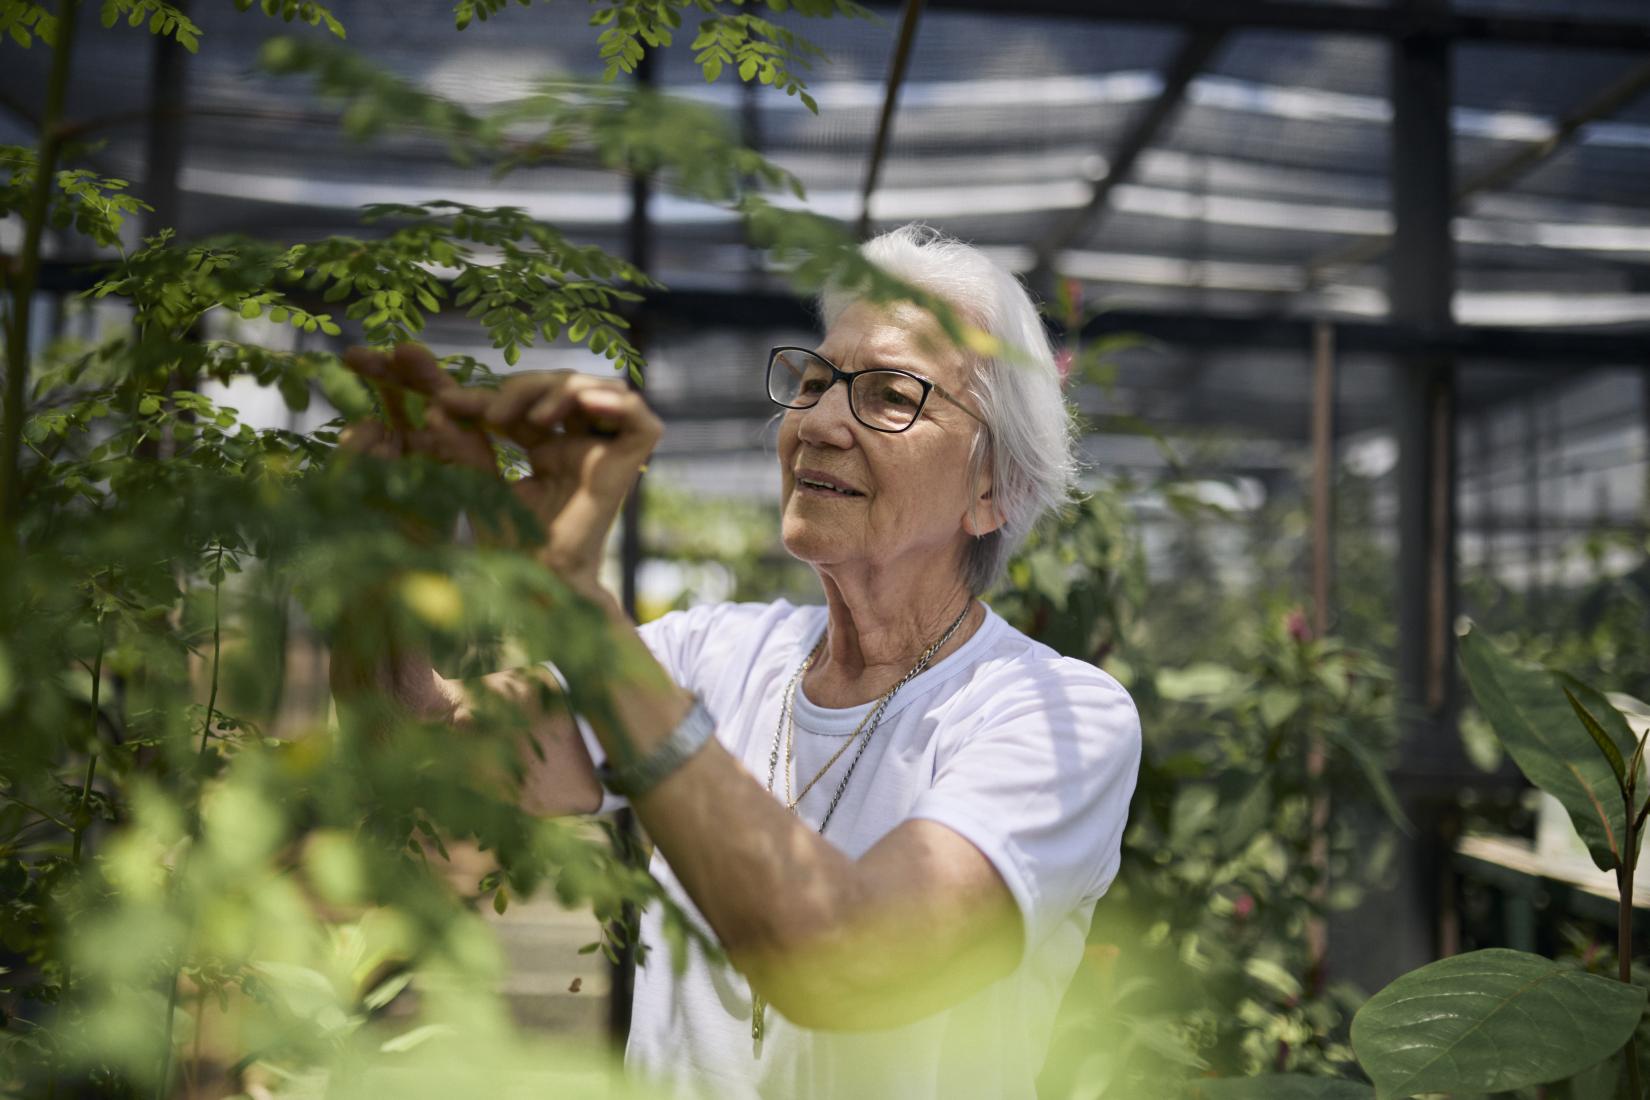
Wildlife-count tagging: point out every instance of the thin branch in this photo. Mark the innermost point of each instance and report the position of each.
(28, 274)
(49, 816)
(91, 764)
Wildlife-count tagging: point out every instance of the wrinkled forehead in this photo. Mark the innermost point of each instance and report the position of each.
(900, 335)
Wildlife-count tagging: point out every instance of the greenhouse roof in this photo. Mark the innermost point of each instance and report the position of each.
(1214, 175)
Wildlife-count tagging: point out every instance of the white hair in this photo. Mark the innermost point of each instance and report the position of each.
(1031, 444)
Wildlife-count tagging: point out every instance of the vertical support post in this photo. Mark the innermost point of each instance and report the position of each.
(163, 140)
(639, 246)
(1398, 929)
(1534, 567)
(1421, 284)
(1323, 475)
(1323, 471)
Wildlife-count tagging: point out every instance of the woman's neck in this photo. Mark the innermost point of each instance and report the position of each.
(872, 640)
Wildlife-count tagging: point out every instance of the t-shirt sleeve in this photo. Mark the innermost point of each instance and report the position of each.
(1040, 782)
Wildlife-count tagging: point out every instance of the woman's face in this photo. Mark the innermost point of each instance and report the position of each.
(910, 501)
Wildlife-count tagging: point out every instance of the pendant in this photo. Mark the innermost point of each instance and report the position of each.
(759, 1010)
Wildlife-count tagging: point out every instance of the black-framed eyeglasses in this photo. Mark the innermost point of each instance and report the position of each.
(883, 399)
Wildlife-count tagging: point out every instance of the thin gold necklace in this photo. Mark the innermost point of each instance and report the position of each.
(867, 726)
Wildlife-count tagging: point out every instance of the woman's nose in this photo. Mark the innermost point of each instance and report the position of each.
(830, 419)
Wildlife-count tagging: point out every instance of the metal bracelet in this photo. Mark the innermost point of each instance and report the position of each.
(640, 776)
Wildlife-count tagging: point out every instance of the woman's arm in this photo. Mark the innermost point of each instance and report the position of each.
(913, 926)
(370, 667)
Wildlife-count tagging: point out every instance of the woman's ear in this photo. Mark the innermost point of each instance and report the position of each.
(984, 517)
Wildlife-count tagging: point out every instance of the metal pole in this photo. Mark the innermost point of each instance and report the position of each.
(890, 98)
(1398, 929)
(1323, 475)
(640, 248)
(163, 138)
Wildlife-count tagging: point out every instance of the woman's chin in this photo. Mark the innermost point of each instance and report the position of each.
(806, 542)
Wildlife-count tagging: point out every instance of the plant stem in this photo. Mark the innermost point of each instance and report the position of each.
(217, 646)
(206, 738)
(28, 274)
(91, 764)
(1624, 953)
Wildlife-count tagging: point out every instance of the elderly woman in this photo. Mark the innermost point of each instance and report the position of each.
(894, 811)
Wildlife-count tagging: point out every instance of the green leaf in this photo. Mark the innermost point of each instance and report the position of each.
(386, 991)
(1600, 738)
(501, 901)
(1490, 1021)
(1374, 774)
(1527, 708)
(418, 1036)
(1278, 705)
(1279, 1086)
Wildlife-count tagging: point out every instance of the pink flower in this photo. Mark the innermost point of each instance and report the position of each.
(1062, 363)
(1295, 623)
(1243, 907)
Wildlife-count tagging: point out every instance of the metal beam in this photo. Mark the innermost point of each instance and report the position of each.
(890, 99)
(1559, 351)
(1393, 23)
(1610, 99)
(1192, 57)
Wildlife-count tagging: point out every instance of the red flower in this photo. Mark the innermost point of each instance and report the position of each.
(1295, 623)
(1243, 907)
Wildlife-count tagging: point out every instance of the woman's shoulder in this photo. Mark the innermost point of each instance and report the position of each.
(1014, 665)
(726, 633)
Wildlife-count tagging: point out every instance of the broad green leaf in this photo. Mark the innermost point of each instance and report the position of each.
(1490, 1021)
(1528, 710)
(1279, 1086)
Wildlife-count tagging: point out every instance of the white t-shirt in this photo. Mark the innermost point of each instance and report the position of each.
(1030, 756)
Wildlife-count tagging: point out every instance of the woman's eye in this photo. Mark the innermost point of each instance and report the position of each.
(813, 385)
(892, 396)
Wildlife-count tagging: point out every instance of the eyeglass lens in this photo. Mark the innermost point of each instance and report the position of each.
(887, 400)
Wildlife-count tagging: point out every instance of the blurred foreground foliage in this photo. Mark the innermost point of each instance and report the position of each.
(210, 884)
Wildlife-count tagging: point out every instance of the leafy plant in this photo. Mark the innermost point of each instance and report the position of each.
(1497, 1020)
(204, 875)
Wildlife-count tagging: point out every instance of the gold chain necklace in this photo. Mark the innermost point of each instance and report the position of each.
(868, 725)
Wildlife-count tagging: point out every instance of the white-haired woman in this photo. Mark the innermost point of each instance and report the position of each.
(893, 810)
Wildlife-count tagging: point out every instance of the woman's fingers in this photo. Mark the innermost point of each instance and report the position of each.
(367, 362)
(416, 368)
(370, 437)
(452, 442)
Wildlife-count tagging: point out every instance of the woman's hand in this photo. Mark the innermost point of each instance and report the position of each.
(367, 661)
(585, 438)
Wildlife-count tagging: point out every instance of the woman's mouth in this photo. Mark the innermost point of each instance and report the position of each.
(819, 484)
